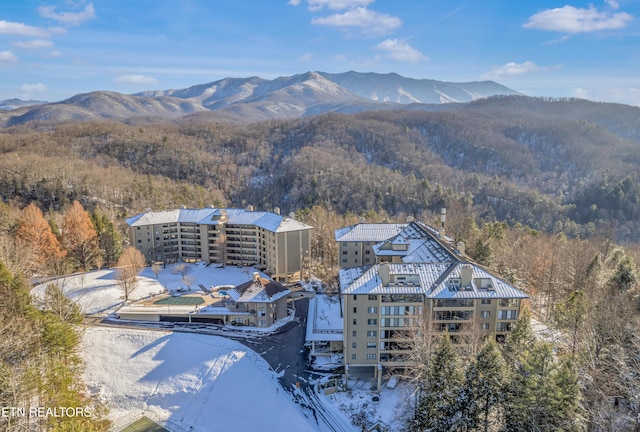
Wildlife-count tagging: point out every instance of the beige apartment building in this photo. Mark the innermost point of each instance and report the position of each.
(417, 280)
(276, 244)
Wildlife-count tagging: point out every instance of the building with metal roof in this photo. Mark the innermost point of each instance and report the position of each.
(415, 277)
(277, 244)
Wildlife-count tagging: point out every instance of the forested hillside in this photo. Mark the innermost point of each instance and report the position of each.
(515, 159)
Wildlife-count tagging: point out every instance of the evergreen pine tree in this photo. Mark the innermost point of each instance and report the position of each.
(483, 390)
(438, 407)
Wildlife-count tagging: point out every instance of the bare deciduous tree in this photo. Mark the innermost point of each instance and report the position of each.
(129, 265)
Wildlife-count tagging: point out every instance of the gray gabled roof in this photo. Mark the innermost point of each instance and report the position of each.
(368, 232)
(266, 220)
(435, 281)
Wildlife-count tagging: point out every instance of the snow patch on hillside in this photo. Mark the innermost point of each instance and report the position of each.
(185, 382)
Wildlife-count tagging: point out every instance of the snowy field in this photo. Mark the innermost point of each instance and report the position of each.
(186, 382)
(97, 292)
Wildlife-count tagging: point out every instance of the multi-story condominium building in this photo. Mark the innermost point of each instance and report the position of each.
(365, 244)
(273, 243)
(419, 282)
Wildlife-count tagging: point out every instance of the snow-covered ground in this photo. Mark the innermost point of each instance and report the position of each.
(98, 291)
(358, 405)
(186, 382)
(196, 382)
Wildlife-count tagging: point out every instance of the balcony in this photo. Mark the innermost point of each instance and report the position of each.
(453, 303)
(453, 315)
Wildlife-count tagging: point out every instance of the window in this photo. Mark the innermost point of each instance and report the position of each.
(372, 322)
(485, 314)
(508, 314)
(354, 321)
(371, 356)
(353, 356)
(503, 326)
(354, 345)
(139, 240)
(355, 297)
(372, 333)
(368, 252)
(355, 310)
(367, 260)
(485, 326)
(261, 313)
(486, 301)
(344, 260)
(354, 333)
(262, 323)
(344, 252)
(372, 309)
(371, 344)
(373, 297)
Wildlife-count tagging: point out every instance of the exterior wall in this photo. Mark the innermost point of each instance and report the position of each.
(387, 346)
(361, 348)
(139, 317)
(281, 254)
(281, 309)
(356, 254)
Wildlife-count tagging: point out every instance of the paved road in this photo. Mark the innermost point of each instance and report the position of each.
(285, 352)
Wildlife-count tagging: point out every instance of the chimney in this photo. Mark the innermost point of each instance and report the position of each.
(249, 208)
(466, 275)
(461, 248)
(443, 218)
(383, 271)
(256, 276)
(276, 210)
(409, 219)
(292, 215)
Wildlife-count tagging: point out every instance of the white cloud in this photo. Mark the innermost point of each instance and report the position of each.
(336, 4)
(34, 44)
(294, 2)
(401, 51)
(34, 88)
(612, 3)
(569, 19)
(305, 57)
(8, 57)
(53, 54)
(136, 79)
(368, 21)
(68, 18)
(513, 69)
(14, 28)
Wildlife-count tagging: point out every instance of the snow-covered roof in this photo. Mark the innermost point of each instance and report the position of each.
(207, 216)
(498, 288)
(434, 280)
(266, 220)
(368, 232)
(258, 290)
(421, 245)
(324, 321)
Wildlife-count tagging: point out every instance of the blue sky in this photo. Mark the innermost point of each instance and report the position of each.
(51, 50)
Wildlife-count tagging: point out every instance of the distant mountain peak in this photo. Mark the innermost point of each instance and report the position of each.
(255, 98)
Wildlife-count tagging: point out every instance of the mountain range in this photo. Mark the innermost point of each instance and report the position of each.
(254, 98)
